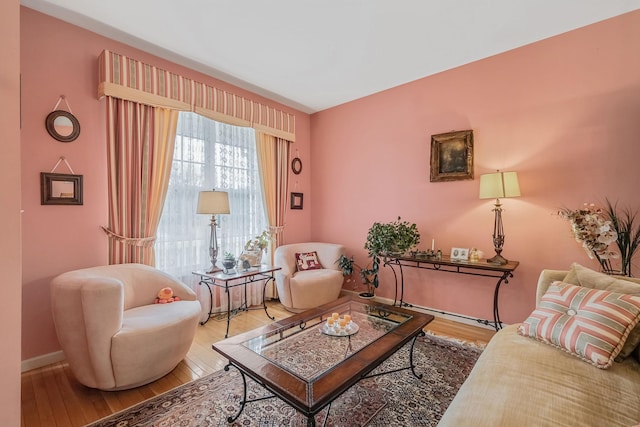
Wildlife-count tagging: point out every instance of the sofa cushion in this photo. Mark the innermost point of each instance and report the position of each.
(591, 324)
(307, 261)
(519, 381)
(583, 276)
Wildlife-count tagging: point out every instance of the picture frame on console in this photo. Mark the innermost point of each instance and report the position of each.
(459, 254)
(452, 156)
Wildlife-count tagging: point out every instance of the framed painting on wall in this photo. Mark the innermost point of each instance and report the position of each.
(60, 189)
(452, 156)
(296, 200)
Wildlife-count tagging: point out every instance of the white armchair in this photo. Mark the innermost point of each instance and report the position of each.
(302, 290)
(111, 332)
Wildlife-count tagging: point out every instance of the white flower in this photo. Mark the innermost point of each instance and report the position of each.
(593, 230)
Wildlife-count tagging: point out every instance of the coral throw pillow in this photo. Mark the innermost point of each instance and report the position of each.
(583, 276)
(592, 324)
(307, 261)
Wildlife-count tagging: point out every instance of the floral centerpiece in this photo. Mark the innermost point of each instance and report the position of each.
(258, 243)
(254, 248)
(597, 228)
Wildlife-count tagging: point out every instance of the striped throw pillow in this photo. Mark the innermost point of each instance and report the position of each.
(591, 324)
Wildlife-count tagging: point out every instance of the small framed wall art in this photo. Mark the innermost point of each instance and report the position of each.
(60, 189)
(452, 156)
(296, 165)
(296, 200)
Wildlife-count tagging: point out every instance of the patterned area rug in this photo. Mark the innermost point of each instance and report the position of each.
(396, 399)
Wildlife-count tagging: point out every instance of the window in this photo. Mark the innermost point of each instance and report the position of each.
(209, 155)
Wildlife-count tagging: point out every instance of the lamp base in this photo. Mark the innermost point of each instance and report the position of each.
(213, 269)
(498, 260)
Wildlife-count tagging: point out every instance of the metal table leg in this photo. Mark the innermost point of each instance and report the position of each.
(226, 289)
(202, 282)
(264, 297)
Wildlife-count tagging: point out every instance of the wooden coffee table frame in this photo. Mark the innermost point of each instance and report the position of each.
(310, 396)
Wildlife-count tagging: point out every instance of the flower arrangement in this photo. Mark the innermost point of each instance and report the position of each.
(597, 228)
(258, 243)
(592, 228)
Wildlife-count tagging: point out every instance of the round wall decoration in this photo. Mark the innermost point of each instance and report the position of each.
(296, 165)
(62, 126)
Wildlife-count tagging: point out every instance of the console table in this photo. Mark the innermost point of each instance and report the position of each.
(478, 268)
(240, 277)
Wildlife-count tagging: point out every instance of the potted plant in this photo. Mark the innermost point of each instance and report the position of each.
(348, 266)
(254, 248)
(396, 237)
(228, 262)
(258, 243)
(392, 238)
(627, 228)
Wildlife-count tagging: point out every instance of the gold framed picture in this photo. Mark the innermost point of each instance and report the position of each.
(452, 156)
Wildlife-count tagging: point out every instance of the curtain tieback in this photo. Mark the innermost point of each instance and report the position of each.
(133, 241)
(276, 229)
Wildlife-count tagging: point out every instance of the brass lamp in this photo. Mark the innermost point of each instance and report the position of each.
(213, 203)
(496, 186)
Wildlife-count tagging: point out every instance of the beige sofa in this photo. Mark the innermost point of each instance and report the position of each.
(519, 381)
(111, 332)
(302, 290)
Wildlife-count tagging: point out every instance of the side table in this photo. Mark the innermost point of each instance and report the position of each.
(479, 268)
(239, 278)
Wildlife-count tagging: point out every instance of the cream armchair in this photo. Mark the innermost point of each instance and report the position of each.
(111, 332)
(301, 290)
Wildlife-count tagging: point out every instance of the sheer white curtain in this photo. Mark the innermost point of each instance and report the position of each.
(210, 155)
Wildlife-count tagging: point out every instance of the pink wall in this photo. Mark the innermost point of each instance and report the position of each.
(58, 58)
(10, 211)
(564, 113)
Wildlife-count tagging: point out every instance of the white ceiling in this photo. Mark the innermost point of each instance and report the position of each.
(313, 55)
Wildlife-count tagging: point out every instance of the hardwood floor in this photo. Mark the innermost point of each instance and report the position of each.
(52, 397)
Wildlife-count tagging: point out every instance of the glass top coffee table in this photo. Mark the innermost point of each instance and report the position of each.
(307, 365)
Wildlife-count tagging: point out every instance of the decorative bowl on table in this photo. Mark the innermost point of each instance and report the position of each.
(340, 327)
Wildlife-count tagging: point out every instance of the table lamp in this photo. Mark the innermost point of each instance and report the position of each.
(496, 186)
(213, 203)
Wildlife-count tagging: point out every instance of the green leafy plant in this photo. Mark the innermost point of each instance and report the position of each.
(396, 237)
(348, 267)
(626, 224)
(258, 243)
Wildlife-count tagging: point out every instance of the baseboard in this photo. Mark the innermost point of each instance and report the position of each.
(47, 359)
(454, 317)
(40, 361)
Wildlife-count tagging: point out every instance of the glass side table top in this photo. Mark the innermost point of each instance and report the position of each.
(306, 351)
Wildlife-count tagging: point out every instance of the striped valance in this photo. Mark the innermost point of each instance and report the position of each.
(126, 78)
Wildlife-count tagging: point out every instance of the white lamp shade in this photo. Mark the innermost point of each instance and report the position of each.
(213, 202)
(498, 185)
